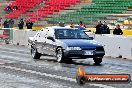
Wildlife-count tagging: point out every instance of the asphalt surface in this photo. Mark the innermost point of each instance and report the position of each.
(19, 70)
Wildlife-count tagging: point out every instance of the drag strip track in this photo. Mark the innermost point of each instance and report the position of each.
(16, 60)
(52, 77)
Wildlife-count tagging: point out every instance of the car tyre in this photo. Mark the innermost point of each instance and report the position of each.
(35, 54)
(59, 55)
(81, 80)
(97, 61)
(68, 60)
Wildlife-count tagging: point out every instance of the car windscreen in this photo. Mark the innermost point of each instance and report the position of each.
(70, 34)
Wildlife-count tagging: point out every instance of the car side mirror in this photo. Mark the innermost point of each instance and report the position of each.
(51, 38)
(91, 38)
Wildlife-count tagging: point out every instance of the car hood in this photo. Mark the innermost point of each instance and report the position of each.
(83, 43)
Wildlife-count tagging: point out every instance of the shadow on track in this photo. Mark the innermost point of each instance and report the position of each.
(69, 63)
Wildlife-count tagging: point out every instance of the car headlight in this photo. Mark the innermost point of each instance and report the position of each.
(73, 48)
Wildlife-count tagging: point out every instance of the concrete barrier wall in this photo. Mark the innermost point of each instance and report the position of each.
(116, 45)
(21, 36)
(126, 47)
(1, 31)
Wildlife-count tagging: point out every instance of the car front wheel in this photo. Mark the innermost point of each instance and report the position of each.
(97, 61)
(59, 55)
(35, 54)
(81, 80)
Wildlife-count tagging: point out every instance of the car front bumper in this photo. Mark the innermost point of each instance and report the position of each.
(83, 54)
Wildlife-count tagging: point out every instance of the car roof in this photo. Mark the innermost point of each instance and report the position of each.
(58, 27)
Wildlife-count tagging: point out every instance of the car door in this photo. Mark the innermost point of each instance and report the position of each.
(50, 44)
(43, 40)
(37, 42)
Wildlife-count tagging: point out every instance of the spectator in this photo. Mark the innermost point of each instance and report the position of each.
(117, 30)
(8, 9)
(61, 24)
(11, 23)
(72, 24)
(104, 28)
(29, 24)
(21, 24)
(6, 24)
(82, 24)
(15, 8)
(98, 28)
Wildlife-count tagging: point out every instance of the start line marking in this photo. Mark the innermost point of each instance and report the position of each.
(52, 76)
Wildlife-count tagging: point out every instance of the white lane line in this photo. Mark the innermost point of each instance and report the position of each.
(19, 79)
(5, 61)
(13, 50)
(42, 74)
(101, 85)
(53, 76)
(17, 52)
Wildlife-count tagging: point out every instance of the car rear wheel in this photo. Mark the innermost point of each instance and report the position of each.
(59, 55)
(35, 54)
(97, 61)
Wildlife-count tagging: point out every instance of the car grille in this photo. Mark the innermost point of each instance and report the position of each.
(99, 49)
(88, 48)
(76, 52)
